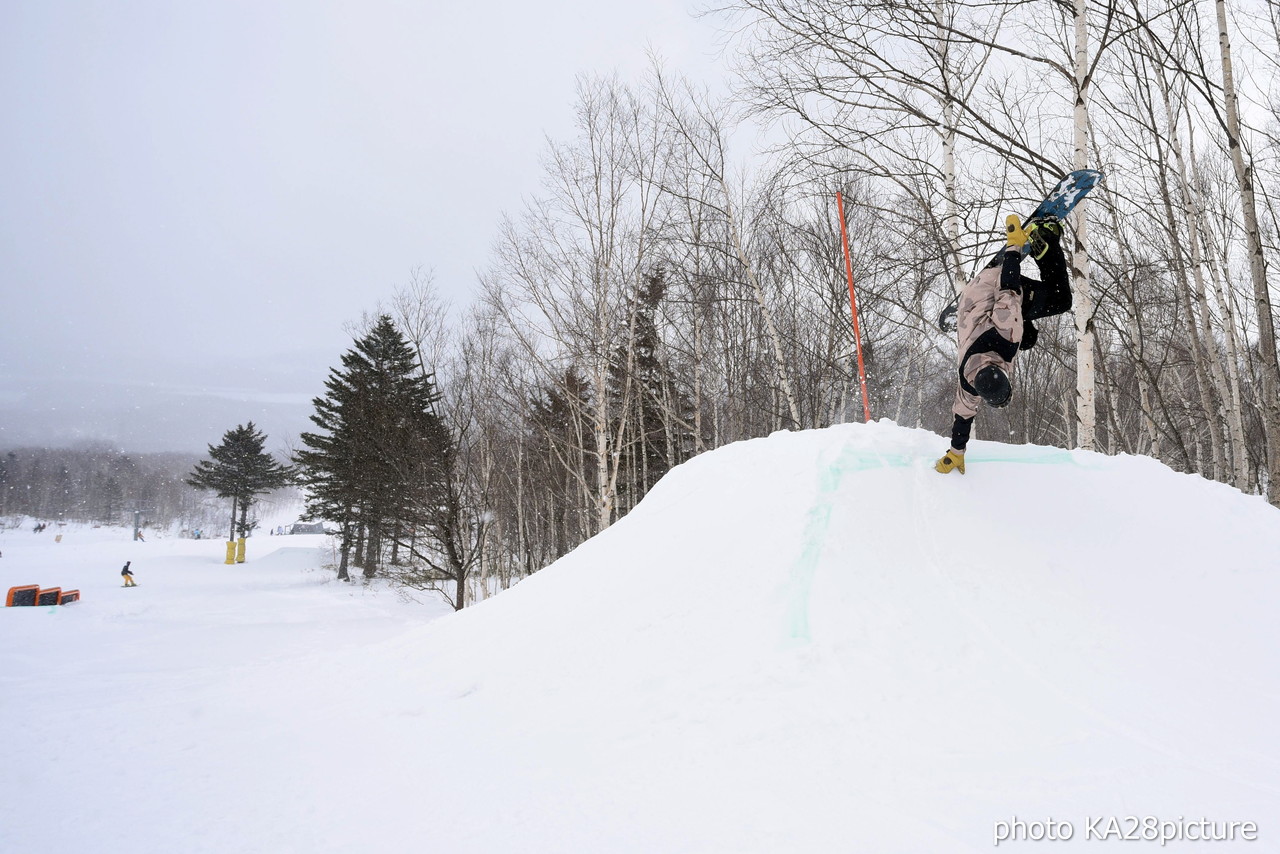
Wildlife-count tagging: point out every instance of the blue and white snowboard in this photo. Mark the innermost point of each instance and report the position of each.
(1060, 201)
(1070, 190)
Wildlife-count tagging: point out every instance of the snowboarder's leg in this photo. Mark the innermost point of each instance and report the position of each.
(953, 459)
(960, 430)
(1052, 295)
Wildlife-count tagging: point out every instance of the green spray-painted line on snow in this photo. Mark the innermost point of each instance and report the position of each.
(1046, 458)
(819, 519)
(815, 531)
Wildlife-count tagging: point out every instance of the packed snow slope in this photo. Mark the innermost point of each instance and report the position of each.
(805, 643)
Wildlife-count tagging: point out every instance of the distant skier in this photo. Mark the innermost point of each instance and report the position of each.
(128, 575)
(994, 322)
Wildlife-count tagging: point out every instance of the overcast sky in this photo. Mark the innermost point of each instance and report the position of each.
(196, 197)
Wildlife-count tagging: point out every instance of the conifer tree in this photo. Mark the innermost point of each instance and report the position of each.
(658, 434)
(377, 455)
(241, 470)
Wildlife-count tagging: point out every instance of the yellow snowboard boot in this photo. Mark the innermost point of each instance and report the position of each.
(1013, 228)
(951, 460)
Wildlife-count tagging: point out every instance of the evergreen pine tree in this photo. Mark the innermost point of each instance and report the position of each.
(658, 416)
(377, 458)
(241, 470)
(558, 415)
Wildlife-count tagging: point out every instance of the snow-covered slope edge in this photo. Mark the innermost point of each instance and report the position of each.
(808, 643)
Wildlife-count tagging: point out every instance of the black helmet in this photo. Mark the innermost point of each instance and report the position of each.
(992, 384)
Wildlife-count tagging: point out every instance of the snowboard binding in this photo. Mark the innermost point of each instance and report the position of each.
(1041, 235)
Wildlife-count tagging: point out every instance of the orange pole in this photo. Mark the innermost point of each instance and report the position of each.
(853, 307)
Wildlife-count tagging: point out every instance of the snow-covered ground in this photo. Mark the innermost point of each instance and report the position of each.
(806, 643)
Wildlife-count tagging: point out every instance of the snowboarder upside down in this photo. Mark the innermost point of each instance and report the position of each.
(994, 322)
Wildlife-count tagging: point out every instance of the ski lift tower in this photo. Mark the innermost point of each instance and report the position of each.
(137, 522)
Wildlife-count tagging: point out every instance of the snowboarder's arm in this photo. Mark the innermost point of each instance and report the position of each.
(1011, 277)
(1030, 335)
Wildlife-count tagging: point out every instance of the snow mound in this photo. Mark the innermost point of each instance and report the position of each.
(810, 643)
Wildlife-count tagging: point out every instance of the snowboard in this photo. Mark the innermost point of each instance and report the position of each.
(1060, 202)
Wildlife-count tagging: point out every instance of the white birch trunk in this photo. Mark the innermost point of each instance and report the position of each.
(600, 431)
(1235, 357)
(1270, 367)
(1206, 345)
(784, 383)
(1144, 387)
(1204, 358)
(950, 191)
(699, 359)
(1083, 295)
(1148, 421)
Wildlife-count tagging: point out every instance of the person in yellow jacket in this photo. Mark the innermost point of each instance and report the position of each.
(993, 322)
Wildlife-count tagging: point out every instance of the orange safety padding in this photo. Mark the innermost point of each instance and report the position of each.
(49, 596)
(22, 595)
(69, 596)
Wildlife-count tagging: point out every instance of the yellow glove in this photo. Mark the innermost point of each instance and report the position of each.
(1013, 227)
(952, 459)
